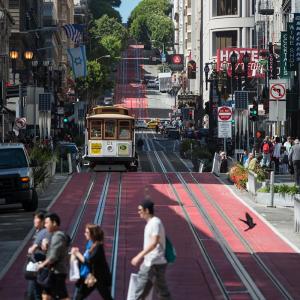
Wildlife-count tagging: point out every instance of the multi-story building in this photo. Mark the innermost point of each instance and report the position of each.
(226, 24)
(6, 22)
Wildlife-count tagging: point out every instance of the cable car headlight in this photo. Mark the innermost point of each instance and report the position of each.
(109, 148)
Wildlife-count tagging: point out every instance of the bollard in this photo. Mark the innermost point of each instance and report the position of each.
(70, 163)
(272, 188)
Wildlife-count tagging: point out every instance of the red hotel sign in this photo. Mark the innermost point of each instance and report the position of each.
(223, 55)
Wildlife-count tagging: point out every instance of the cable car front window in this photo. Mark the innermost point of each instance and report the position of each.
(110, 129)
(124, 130)
(96, 132)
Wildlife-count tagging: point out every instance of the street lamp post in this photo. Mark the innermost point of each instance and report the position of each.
(233, 61)
(104, 56)
(34, 69)
(13, 54)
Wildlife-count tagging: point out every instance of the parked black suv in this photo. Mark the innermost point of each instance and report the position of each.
(16, 177)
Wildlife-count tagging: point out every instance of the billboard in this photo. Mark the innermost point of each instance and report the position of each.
(254, 68)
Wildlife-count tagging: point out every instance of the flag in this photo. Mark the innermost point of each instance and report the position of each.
(77, 60)
(74, 32)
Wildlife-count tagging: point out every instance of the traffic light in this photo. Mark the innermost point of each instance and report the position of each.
(254, 112)
(66, 119)
(192, 69)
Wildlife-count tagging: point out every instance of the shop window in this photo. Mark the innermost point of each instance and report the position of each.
(110, 129)
(96, 130)
(225, 7)
(224, 39)
(124, 130)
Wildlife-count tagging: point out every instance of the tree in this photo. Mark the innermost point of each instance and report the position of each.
(149, 7)
(150, 21)
(105, 7)
(108, 37)
(96, 81)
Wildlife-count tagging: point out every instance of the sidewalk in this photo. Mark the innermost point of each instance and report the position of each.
(281, 218)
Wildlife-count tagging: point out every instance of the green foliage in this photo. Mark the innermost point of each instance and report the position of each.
(105, 7)
(95, 82)
(185, 146)
(41, 157)
(282, 189)
(150, 21)
(109, 36)
(261, 172)
(147, 7)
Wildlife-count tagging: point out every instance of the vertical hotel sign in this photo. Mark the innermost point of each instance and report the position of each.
(291, 66)
(297, 37)
(284, 73)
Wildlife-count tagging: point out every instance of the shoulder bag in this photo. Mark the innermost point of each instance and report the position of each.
(45, 277)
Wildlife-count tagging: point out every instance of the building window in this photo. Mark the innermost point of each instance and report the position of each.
(189, 37)
(13, 4)
(189, 3)
(189, 20)
(225, 7)
(224, 39)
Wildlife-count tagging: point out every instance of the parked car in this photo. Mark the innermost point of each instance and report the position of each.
(153, 84)
(140, 124)
(16, 177)
(64, 148)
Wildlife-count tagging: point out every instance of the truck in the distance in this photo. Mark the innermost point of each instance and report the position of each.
(165, 82)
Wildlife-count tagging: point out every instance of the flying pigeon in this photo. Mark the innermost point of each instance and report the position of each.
(249, 222)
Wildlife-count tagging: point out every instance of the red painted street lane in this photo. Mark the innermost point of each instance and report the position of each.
(13, 285)
(190, 277)
(228, 275)
(276, 254)
(132, 94)
(189, 272)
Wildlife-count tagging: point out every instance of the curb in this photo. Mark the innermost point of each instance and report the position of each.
(29, 234)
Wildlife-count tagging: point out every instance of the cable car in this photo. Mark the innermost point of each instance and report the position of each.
(110, 139)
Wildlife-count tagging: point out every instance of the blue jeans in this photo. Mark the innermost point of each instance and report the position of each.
(266, 160)
(34, 291)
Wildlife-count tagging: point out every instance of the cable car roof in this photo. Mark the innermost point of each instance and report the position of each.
(110, 116)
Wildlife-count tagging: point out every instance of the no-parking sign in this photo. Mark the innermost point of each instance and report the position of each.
(20, 123)
(277, 90)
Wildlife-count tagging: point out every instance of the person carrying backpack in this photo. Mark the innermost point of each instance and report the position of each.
(266, 149)
(154, 263)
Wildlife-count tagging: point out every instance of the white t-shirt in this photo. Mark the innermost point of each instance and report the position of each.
(155, 227)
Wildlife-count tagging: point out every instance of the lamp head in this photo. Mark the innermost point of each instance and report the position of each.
(233, 58)
(13, 54)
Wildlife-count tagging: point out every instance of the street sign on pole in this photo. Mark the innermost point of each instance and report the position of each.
(224, 113)
(277, 90)
(224, 123)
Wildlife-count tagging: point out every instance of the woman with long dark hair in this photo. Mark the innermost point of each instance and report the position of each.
(94, 269)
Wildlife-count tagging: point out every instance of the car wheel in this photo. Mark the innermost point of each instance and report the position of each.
(31, 204)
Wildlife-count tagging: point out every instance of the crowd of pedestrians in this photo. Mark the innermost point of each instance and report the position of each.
(52, 254)
(280, 154)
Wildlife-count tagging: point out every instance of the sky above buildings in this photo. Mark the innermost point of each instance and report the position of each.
(126, 8)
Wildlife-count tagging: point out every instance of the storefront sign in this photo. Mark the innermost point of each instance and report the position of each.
(297, 37)
(291, 66)
(284, 73)
(223, 56)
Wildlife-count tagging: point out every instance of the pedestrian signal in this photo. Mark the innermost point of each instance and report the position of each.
(66, 120)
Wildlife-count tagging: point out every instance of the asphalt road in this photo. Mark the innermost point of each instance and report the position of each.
(15, 223)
